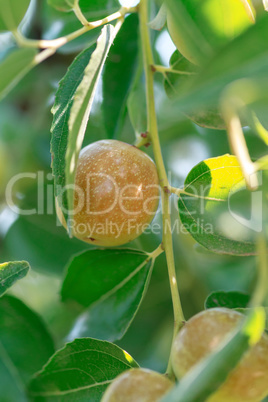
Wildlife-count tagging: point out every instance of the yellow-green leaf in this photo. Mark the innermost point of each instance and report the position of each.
(10, 272)
(218, 210)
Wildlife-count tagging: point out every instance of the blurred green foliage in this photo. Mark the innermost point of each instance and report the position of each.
(25, 121)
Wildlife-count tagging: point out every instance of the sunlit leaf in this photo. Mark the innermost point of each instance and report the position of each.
(244, 57)
(206, 209)
(81, 371)
(11, 272)
(200, 29)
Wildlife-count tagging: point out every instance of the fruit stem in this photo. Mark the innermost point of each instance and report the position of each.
(262, 163)
(260, 293)
(165, 186)
(154, 254)
(261, 131)
(79, 15)
(164, 70)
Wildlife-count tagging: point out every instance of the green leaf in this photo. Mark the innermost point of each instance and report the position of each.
(81, 371)
(62, 5)
(203, 116)
(25, 346)
(206, 377)
(12, 13)
(112, 283)
(227, 299)
(97, 9)
(245, 56)
(61, 113)
(200, 29)
(31, 233)
(37, 230)
(81, 107)
(182, 25)
(206, 211)
(11, 272)
(174, 81)
(160, 19)
(14, 67)
(136, 103)
(118, 75)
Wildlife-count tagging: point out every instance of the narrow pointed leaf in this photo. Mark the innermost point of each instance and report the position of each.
(14, 67)
(11, 272)
(81, 107)
(81, 371)
(111, 283)
(61, 113)
(118, 75)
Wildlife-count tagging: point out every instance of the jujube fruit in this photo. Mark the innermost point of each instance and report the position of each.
(201, 335)
(137, 385)
(116, 195)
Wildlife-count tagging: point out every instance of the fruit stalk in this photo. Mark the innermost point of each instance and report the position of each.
(165, 187)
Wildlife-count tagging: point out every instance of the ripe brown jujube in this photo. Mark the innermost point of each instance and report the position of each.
(137, 385)
(117, 193)
(201, 335)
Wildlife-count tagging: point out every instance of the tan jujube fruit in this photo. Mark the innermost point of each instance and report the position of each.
(116, 195)
(137, 385)
(201, 335)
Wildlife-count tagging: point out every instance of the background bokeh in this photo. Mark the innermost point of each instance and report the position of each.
(25, 121)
